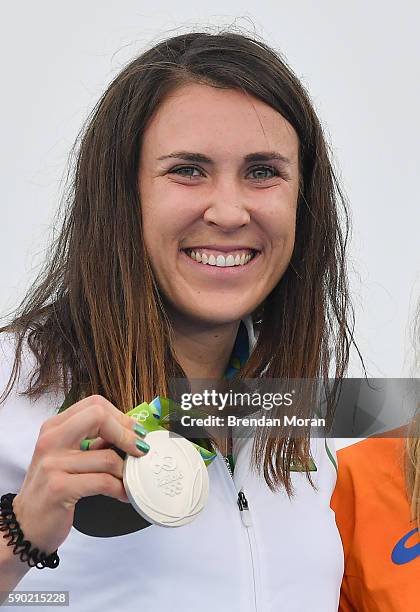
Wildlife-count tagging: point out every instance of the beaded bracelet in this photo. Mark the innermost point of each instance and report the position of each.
(22, 547)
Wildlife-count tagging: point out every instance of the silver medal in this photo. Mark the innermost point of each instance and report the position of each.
(169, 485)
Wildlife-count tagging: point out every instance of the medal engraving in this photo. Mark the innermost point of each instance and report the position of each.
(162, 468)
(169, 486)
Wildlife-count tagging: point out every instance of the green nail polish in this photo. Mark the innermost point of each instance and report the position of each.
(143, 446)
(140, 431)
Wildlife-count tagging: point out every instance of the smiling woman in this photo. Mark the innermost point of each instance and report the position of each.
(205, 237)
(224, 209)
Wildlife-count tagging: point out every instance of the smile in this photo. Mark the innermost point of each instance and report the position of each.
(229, 260)
(214, 268)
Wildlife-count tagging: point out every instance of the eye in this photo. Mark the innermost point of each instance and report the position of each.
(264, 169)
(180, 171)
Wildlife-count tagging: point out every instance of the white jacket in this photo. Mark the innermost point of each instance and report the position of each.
(286, 558)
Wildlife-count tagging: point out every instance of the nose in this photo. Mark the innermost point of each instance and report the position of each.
(227, 209)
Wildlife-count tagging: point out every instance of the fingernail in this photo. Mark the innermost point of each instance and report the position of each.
(142, 446)
(140, 431)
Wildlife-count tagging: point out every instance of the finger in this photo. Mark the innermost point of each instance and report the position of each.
(98, 443)
(75, 486)
(96, 421)
(79, 462)
(83, 404)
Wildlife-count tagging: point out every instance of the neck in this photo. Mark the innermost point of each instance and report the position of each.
(202, 349)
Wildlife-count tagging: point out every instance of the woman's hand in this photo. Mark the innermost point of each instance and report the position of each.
(60, 473)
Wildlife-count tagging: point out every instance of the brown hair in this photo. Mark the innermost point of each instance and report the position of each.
(94, 317)
(412, 467)
(412, 454)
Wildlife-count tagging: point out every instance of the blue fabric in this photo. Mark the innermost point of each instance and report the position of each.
(240, 352)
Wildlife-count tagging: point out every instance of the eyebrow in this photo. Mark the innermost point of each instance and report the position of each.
(259, 156)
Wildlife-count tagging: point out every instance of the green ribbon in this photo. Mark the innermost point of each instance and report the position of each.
(152, 416)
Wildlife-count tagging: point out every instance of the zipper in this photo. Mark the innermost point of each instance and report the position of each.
(245, 515)
(244, 509)
(241, 499)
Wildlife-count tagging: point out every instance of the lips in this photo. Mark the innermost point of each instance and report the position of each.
(221, 248)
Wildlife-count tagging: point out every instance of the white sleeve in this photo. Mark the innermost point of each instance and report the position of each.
(20, 417)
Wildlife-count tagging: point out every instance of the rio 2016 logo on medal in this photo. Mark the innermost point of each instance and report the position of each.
(166, 475)
(170, 485)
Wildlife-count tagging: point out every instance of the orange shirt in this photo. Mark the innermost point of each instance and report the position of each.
(380, 539)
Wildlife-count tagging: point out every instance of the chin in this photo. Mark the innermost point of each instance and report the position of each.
(219, 315)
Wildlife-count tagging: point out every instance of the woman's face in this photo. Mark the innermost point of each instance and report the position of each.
(212, 190)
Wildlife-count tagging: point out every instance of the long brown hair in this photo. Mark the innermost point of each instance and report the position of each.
(94, 317)
(412, 450)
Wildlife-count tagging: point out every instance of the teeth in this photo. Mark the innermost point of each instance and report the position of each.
(221, 261)
(230, 260)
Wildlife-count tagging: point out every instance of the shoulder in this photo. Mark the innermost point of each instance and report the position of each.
(368, 469)
(8, 348)
(373, 454)
(20, 416)
(27, 366)
(324, 474)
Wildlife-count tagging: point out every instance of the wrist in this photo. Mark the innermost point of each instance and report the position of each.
(12, 531)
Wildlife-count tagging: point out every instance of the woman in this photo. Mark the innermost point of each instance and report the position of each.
(205, 148)
(377, 507)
